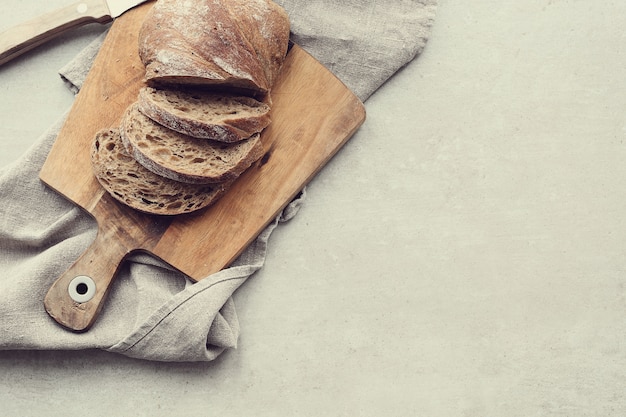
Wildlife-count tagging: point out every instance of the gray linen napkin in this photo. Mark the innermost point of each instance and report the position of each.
(362, 42)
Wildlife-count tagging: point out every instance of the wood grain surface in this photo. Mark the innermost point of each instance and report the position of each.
(313, 115)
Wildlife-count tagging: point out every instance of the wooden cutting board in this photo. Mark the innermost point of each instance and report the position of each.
(313, 115)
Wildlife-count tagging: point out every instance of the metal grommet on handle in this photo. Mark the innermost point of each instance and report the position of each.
(82, 289)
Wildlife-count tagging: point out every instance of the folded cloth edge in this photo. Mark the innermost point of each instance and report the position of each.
(219, 305)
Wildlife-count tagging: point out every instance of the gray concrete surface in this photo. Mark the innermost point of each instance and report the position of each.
(463, 255)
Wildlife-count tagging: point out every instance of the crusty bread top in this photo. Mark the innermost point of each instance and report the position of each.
(132, 184)
(230, 43)
(184, 158)
(221, 117)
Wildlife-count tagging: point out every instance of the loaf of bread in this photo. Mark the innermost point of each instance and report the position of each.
(184, 158)
(195, 128)
(132, 184)
(221, 117)
(232, 44)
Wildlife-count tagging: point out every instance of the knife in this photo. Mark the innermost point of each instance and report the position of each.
(26, 36)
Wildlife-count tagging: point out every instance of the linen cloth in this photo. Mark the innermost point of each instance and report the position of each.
(152, 311)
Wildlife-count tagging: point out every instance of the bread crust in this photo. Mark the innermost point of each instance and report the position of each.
(243, 46)
(220, 117)
(133, 185)
(183, 158)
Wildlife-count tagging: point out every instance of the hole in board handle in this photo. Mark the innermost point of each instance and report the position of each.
(82, 289)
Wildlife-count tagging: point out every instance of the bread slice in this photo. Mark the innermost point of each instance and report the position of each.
(233, 44)
(184, 158)
(132, 184)
(220, 117)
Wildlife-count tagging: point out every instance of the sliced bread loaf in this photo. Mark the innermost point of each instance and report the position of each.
(184, 158)
(220, 117)
(132, 184)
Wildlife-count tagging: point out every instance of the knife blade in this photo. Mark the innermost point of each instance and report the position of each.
(28, 35)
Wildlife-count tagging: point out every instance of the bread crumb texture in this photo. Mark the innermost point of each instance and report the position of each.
(182, 157)
(133, 185)
(218, 116)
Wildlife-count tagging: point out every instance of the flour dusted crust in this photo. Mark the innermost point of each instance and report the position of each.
(237, 44)
(135, 186)
(184, 158)
(221, 117)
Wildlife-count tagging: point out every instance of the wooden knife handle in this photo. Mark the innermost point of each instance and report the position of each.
(26, 36)
(75, 299)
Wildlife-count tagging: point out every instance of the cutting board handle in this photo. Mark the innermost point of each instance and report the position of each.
(75, 299)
